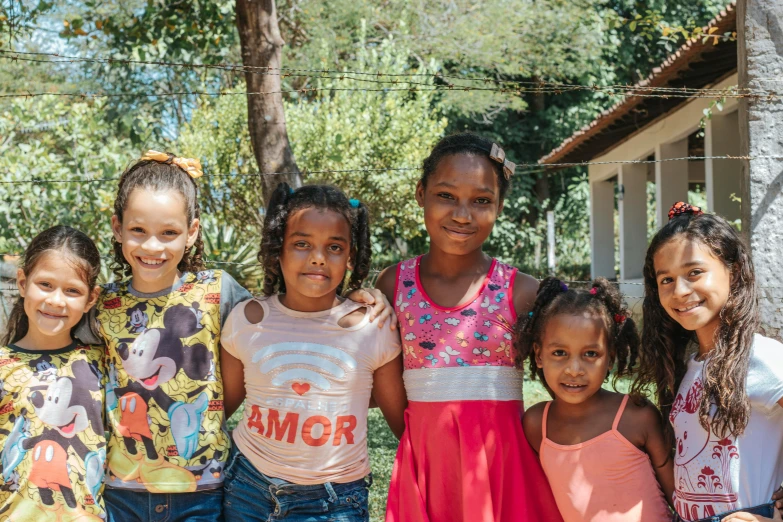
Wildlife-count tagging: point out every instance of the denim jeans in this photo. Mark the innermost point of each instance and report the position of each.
(128, 505)
(249, 495)
(765, 510)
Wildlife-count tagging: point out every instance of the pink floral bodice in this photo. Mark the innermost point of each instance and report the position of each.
(475, 333)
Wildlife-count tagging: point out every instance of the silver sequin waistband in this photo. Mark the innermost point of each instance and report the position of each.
(465, 383)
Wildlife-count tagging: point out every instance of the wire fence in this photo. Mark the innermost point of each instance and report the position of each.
(524, 168)
(441, 82)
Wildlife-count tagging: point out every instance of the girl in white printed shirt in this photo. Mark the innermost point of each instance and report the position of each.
(308, 362)
(725, 403)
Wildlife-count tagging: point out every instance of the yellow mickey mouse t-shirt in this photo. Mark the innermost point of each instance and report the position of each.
(52, 443)
(164, 394)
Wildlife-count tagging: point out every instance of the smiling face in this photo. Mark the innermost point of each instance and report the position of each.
(315, 257)
(57, 408)
(461, 203)
(55, 298)
(574, 356)
(693, 286)
(154, 234)
(144, 362)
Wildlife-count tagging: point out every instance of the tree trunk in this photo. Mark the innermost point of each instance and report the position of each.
(760, 59)
(261, 43)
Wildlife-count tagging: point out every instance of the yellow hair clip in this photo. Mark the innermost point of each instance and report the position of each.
(190, 165)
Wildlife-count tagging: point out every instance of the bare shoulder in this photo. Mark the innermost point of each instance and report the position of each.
(353, 318)
(532, 423)
(386, 282)
(525, 289)
(254, 312)
(640, 419)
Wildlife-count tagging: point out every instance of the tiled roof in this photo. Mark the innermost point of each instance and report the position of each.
(634, 112)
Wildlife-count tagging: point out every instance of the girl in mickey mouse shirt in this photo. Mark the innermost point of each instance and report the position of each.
(52, 444)
(162, 326)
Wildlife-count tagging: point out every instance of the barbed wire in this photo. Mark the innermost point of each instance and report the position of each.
(526, 168)
(434, 88)
(520, 86)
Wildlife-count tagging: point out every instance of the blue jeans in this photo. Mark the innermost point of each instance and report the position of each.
(764, 510)
(249, 495)
(128, 505)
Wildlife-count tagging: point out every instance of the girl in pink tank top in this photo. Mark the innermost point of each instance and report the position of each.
(605, 457)
(463, 456)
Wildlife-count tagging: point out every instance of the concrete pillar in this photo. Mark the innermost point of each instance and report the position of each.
(671, 178)
(602, 229)
(632, 205)
(721, 138)
(760, 60)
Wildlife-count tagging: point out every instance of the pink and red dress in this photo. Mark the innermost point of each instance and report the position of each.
(463, 456)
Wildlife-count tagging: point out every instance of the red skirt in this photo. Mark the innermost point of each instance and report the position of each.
(467, 461)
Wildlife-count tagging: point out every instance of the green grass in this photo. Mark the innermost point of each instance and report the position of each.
(383, 445)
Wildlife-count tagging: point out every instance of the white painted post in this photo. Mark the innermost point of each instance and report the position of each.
(721, 138)
(632, 207)
(760, 65)
(550, 241)
(602, 229)
(671, 178)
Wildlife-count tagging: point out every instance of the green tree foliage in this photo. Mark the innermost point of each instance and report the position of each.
(330, 130)
(73, 140)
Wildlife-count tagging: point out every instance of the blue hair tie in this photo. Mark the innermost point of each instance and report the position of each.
(530, 314)
(290, 190)
(354, 203)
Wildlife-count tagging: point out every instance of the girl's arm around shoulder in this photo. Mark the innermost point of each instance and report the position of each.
(642, 425)
(532, 423)
(524, 295)
(388, 393)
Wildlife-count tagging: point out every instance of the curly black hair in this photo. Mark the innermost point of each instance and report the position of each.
(466, 143)
(156, 176)
(284, 202)
(603, 300)
(71, 245)
(665, 342)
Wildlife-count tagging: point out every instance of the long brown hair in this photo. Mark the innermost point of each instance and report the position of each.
(72, 245)
(664, 342)
(156, 176)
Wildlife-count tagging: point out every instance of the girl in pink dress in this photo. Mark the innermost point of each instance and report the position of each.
(463, 456)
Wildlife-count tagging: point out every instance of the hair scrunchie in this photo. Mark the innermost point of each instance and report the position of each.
(680, 208)
(191, 166)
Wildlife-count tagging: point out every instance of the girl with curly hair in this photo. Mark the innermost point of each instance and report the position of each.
(309, 362)
(719, 381)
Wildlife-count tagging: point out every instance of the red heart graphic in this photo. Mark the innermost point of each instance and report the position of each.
(300, 388)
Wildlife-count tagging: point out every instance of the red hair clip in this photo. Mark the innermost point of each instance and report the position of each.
(619, 318)
(681, 208)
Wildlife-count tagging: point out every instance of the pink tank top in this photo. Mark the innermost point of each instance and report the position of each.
(463, 352)
(604, 479)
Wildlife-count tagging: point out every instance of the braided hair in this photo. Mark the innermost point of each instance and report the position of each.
(602, 301)
(466, 143)
(284, 202)
(157, 176)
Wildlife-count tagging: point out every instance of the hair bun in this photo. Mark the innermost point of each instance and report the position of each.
(681, 208)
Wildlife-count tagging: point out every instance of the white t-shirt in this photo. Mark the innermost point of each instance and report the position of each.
(718, 474)
(308, 383)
